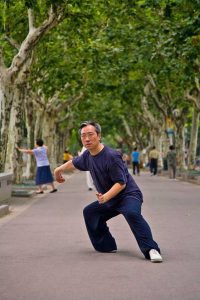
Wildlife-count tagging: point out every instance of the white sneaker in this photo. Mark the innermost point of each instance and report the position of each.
(155, 256)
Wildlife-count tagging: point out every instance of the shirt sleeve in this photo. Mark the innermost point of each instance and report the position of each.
(81, 162)
(117, 170)
(35, 151)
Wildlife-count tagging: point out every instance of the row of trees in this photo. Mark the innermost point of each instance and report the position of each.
(131, 65)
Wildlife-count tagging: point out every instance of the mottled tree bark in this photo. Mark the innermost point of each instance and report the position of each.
(194, 98)
(193, 139)
(12, 83)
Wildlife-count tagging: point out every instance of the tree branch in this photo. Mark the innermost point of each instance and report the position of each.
(197, 84)
(52, 102)
(39, 99)
(148, 116)
(31, 19)
(63, 119)
(32, 39)
(2, 65)
(193, 99)
(69, 102)
(126, 126)
(155, 95)
(12, 42)
(152, 81)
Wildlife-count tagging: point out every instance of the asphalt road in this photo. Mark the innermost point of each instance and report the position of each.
(45, 253)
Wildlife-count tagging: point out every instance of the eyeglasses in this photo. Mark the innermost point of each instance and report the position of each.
(87, 135)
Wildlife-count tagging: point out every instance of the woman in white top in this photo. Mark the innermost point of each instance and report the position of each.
(88, 175)
(43, 173)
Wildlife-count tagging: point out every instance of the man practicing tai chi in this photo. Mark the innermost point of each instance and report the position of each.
(117, 193)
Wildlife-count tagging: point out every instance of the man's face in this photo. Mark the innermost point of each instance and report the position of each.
(89, 137)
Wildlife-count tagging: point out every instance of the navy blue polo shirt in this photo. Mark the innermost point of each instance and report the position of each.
(108, 168)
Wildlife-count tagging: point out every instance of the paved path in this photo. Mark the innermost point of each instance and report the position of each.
(45, 253)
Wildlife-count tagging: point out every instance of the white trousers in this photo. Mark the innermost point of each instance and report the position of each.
(89, 180)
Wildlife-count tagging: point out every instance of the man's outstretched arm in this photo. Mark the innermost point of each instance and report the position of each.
(59, 171)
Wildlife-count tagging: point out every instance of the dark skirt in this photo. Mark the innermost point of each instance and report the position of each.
(43, 175)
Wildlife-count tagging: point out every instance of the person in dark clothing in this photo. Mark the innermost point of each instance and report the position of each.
(153, 157)
(117, 193)
(171, 162)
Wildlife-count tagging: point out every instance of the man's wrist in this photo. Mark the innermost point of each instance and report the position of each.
(61, 169)
(105, 198)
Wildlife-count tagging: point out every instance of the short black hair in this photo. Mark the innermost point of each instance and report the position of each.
(171, 147)
(93, 123)
(39, 142)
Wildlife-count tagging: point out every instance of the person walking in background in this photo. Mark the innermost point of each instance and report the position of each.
(126, 159)
(171, 162)
(89, 180)
(66, 156)
(117, 193)
(43, 173)
(136, 161)
(153, 157)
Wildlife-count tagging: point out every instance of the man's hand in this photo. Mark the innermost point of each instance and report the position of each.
(115, 190)
(58, 175)
(59, 170)
(101, 198)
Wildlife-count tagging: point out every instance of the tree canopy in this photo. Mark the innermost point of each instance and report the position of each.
(119, 55)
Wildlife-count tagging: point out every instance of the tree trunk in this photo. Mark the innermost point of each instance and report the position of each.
(9, 76)
(193, 139)
(180, 146)
(6, 100)
(49, 137)
(30, 112)
(38, 124)
(14, 161)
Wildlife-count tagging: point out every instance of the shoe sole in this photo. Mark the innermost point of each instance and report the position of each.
(156, 260)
